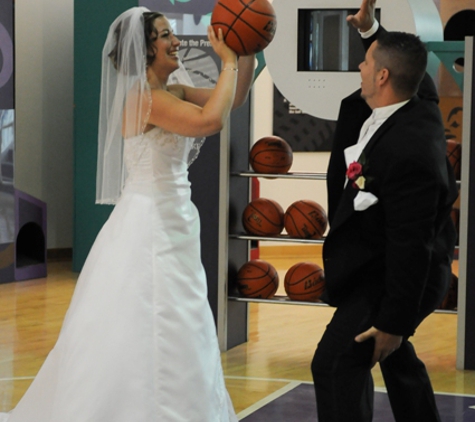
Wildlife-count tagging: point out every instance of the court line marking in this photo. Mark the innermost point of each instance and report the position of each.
(454, 394)
(266, 400)
(237, 377)
(378, 389)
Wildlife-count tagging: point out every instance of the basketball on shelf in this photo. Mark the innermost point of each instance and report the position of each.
(248, 25)
(455, 214)
(272, 155)
(263, 217)
(257, 279)
(305, 219)
(450, 300)
(454, 156)
(304, 281)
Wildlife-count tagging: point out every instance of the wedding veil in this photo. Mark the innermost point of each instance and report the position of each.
(126, 69)
(124, 77)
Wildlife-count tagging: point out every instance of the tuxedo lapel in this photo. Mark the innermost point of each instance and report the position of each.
(346, 206)
(391, 121)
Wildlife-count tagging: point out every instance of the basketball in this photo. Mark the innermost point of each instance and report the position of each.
(305, 219)
(304, 281)
(454, 156)
(272, 155)
(257, 279)
(450, 299)
(455, 215)
(263, 217)
(248, 25)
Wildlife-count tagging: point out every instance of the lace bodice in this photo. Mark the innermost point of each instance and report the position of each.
(156, 155)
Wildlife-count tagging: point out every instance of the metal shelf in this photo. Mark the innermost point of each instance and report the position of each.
(284, 300)
(445, 311)
(280, 238)
(307, 176)
(302, 176)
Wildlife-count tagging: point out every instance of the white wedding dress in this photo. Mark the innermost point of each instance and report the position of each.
(138, 343)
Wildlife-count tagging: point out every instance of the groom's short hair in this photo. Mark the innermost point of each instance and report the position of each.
(405, 57)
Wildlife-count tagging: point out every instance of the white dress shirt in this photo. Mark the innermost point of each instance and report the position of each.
(370, 126)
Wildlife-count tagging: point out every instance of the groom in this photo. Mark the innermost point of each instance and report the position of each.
(388, 253)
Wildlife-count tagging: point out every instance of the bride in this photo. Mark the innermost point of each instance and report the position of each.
(138, 342)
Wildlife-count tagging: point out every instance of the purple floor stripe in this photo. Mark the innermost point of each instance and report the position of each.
(298, 405)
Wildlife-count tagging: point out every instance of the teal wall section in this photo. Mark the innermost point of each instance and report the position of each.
(92, 19)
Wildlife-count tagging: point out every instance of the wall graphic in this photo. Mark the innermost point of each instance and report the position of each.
(199, 60)
(197, 8)
(302, 131)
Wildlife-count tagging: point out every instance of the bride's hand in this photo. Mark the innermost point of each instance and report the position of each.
(226, 55)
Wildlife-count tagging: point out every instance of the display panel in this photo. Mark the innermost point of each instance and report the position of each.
(327, 42)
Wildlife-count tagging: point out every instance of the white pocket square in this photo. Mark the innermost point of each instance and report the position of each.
(364, 200)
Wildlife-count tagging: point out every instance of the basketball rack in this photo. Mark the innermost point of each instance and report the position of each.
(308, 176)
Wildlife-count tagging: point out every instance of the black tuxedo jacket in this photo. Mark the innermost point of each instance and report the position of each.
(400, 249)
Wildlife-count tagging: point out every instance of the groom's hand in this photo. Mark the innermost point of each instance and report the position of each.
(384, 343)
(364, 19)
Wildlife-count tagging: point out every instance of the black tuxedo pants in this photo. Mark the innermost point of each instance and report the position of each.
(341, 368)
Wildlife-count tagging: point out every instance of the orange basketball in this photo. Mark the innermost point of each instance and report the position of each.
(263, 217)
(271, 154)
(454, 155)
(305, 219)
(450, 300)
(258, 279)
(455, 214)
(304, 281)
(248, 25)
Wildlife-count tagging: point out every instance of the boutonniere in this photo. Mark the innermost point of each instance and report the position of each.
(355, 173)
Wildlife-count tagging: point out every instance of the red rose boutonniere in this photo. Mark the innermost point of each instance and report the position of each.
(355, 173)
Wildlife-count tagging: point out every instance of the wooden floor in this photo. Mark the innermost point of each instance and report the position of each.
(282, 340)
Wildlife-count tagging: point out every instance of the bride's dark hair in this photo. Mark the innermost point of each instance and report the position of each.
(150, 34)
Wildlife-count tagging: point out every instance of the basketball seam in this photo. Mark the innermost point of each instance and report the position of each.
(257, 211)
(267, 272)
(292, 220)
(267, 164)
(272, 223)
(238, 17)
(288, 215)
(257, 12)
(306, 217)
(303, 278)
